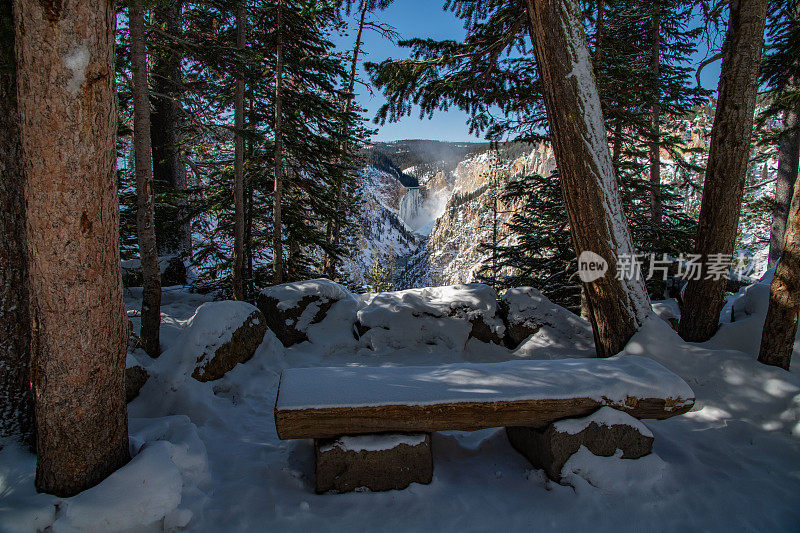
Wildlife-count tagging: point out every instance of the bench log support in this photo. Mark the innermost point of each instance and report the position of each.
(374, 462)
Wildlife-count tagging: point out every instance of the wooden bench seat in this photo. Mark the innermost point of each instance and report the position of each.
(331, 402)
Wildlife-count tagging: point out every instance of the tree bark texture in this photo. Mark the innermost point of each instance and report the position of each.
(16, 404)
(727, 164)
(166, 131)
(238, 171)
(655, 145)
(145, 225)
(598, 43)
(333, 225)
(780, 325)
(788, 159)
(619, 304)
(277, 237)
(67, 104)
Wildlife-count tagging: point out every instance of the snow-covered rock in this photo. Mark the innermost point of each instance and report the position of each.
(231, 330)
(443, 316)
(527, 312)
(602, 433)
(293, 309)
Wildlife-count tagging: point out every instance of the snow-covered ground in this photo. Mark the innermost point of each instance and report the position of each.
(207, 457)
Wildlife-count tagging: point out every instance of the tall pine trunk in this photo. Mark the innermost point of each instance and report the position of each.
(618, 307)
(333, 225)
(16, 404)
(238, 170)
(145, 227)
(788, 159)
(277, 200)
(67, 105)
(727, 165)
(655, 118)
(598, 43)
(780, 325)
(166, 133)
(248, 200)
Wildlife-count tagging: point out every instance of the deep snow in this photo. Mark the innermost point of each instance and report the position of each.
(207, 455)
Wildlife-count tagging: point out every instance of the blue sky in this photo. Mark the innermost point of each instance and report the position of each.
(425, 18)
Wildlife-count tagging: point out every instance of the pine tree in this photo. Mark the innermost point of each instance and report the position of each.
(238, 163)
(277, 199)
(780, 71)
(167, 129)
(16, 403)
(145, 226)
(491, 70)
(318, 156)
(780, 324)
(618, 304)
(727, 164)
(76, 302)
(539, 253)
(381, 274)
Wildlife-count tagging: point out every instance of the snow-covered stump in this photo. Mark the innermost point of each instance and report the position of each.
(602, 433)
(375, 462)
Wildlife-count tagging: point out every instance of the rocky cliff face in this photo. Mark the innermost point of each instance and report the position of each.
(459, 211)
(436, 230)
(382, 234)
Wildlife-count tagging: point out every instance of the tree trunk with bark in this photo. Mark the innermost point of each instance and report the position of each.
(619, 305)
(780, 325)
(333, 225)
(166, 130)
(788, 159)
(616, 149)
(249, 192)
(67, 105)
(727, 165)
(16, 404)
(598, 43)
(238, 170)
(145, 226)
(655, 118)
(277, 200)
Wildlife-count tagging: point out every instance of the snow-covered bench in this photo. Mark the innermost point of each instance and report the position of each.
(328, 403)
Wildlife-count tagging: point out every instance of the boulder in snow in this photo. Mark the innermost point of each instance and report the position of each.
(292, 307)
(526, 311)
(376, 462)
(602, 433)
(135, 378)
(446, 316)
(231, 333)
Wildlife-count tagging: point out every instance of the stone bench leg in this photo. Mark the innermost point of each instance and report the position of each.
(376, 462)
(602, 433)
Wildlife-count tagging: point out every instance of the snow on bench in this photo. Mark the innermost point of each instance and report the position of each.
(330, 402)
